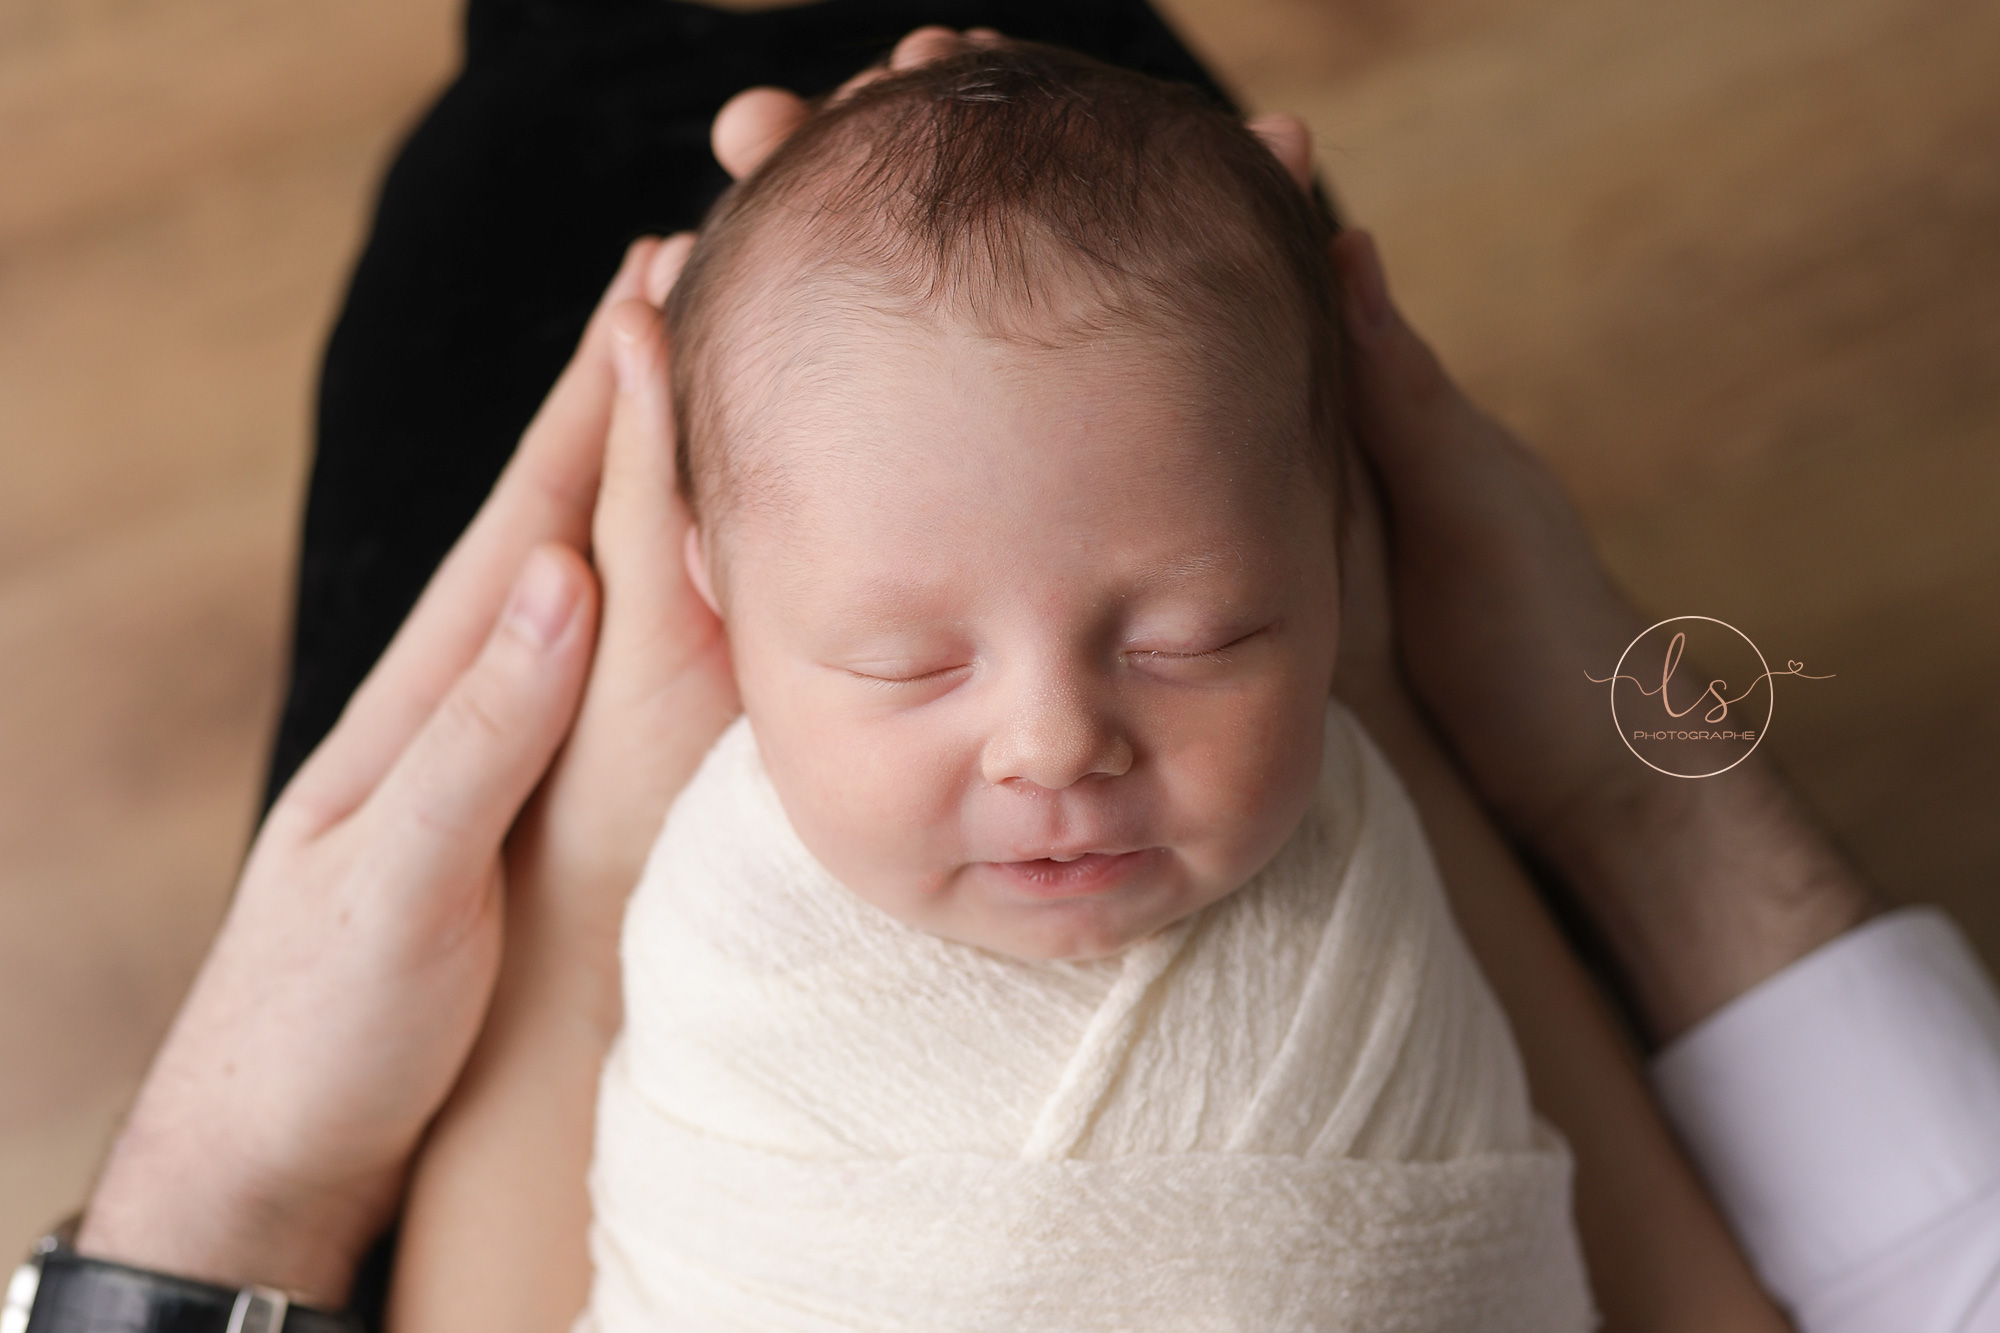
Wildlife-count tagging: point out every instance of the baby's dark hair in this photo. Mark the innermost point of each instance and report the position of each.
(1045, 197)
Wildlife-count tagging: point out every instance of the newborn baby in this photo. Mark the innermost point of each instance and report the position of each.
(1041, 950)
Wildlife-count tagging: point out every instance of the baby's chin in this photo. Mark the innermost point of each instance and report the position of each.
(1046, 913)
(1058, 945)
(1086, 951)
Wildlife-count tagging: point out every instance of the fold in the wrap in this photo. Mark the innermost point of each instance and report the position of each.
(1299, 1109)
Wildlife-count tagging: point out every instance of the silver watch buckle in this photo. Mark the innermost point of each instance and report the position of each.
(259, 1310)
(27, 1280)
(21, 1296)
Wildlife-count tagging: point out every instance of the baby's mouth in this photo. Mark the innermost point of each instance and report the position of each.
(1074, 875)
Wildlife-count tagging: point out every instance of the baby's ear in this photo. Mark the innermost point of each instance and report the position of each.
(696, 556)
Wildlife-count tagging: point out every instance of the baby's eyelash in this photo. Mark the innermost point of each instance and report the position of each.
(1219, 655)
(1160, 654)
(885, 682)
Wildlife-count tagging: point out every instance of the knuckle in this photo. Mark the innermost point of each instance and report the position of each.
(481, 712)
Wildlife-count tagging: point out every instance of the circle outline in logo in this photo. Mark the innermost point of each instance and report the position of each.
(1619, 671)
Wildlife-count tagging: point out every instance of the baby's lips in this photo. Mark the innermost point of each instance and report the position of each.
(1088, 874)
(1065, 853)
(1057, 857)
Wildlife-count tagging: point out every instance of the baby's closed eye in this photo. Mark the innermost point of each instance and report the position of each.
(1198, 658)
(906, 671)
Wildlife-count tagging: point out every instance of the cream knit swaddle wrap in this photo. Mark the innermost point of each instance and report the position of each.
(1300, 1108)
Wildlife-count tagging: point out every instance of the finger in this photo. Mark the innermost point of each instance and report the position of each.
(563, 447)
(751, 125)
(1440, 459)
(1405, 401)
(858, 82)
(660, 688)
(665, 270)
(456, 788)
(1289, 141)
(652, 612)
(547, 493)
(1366, 636)
(916, 48)
(1367, 287)
(924, 45)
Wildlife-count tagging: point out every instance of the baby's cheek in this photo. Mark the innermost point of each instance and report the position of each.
(873, 809)
(1242, 781)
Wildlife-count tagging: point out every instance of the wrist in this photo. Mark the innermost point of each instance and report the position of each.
(175, 1202)
(1703, 888)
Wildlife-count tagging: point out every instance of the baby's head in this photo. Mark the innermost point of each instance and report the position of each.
(1009, 412)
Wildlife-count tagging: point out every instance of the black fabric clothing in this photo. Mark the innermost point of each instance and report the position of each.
(574, 127)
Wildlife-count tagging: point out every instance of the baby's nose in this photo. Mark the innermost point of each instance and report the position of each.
(1054, 738)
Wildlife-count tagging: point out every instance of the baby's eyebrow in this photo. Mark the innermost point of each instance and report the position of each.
(1193, 565)
(902, 604)
(889, 602)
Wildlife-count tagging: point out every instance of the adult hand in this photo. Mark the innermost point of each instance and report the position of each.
(1501, 609)
(660, 690)
(270, 1140)
(1701, 888)
(1658, 1254)
(500, 1187)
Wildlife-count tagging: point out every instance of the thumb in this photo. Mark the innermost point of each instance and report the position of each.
(452, 794)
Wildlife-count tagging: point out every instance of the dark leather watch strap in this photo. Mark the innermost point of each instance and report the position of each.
(79, 1295)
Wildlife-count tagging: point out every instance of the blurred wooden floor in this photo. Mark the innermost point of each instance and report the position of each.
(1734, 265)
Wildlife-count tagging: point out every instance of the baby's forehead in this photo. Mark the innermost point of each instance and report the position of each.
(834, 381)
(932, 427)
(812, 339)
(1027, 197)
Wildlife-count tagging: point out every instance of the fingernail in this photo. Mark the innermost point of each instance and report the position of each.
(543, 600)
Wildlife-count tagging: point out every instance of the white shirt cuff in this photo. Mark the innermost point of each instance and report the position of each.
(1846, 1114)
